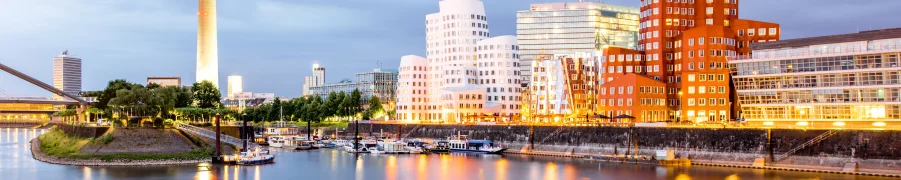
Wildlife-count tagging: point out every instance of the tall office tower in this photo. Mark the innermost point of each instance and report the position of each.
(316, 80)
(66, 74)
(235, 85)
(446, 85)
(685, 45)
(207, 43)
(571, 28)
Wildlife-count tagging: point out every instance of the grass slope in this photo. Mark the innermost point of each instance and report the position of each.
(57, 143)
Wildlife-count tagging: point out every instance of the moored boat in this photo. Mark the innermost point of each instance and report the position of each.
(474, 146)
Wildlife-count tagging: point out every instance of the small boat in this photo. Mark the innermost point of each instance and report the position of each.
(304, 145)
(340, 143)
(290, 144)
(318, 144)
(415, 147)
(276, 141)
(256, 156)
(474, 146)
(440, 147)
(392, 147)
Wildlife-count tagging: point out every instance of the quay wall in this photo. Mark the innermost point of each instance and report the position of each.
(83, 131)
(870, 149)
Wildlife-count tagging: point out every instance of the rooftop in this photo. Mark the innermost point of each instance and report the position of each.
(831, 39)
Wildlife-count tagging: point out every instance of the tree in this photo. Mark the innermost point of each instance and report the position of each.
(110, 92)
(375, 105)
(184, 97)
(206, 95)
(277, 111)
(153, 86)
(356, 101)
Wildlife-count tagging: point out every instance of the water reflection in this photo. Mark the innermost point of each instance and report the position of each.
(332, 164)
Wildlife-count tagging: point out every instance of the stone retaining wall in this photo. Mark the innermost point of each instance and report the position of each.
(871, 149)
(82, 131)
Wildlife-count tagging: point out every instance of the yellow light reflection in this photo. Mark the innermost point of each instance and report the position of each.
(422, 167)
(733, 177)
(501, 168)
(86, 173)
(225, 172)
(683, 177)
(203, 175)
(550, 171)
(445, 166)
(391, 167)
(256, 173)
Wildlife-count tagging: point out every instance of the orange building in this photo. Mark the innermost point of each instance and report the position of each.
(684, 45)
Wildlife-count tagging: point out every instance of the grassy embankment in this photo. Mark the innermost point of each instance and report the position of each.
(56, 143)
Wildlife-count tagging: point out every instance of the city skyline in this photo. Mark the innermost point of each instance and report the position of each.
(162, 44)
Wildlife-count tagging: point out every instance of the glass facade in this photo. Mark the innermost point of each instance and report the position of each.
(854, 81)
(566, 28)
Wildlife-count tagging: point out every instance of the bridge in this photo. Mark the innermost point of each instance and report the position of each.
(72, 99)
(203, 132)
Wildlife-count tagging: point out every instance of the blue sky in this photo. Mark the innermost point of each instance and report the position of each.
(272, 43)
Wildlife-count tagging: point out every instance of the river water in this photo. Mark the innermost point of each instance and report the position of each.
(16, 163)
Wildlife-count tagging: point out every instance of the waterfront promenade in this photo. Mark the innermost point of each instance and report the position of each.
(332, 164)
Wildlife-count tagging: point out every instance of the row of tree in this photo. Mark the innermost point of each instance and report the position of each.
(338, 106)
(124, 99)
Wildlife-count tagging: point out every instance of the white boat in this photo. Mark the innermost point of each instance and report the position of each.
(392, 147)
(276, 141)
(415, 147)
(290, 143)
(256, 156)
(474, 146)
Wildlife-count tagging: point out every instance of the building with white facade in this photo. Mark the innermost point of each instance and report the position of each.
(235, 85)
(573, 27)
(66, 74)
(847, 78)
(316, 80)
(466, 76)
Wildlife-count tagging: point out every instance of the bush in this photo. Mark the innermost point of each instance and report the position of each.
(158, 122)
(105, 139)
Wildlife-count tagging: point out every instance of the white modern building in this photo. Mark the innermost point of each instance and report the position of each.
(466, 76)
(846, 78)
(316, 80)
(379, 83)
(573, 27)
(66, 74)
(235, 85)
(564, 85)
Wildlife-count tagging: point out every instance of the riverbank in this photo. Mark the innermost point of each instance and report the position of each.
(121, 147)
(874, 152)
(20, 124)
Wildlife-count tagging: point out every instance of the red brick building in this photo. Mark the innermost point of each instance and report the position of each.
(684, 45)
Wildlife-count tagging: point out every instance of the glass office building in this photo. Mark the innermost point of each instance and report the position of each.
(842, 78)
(574, 27)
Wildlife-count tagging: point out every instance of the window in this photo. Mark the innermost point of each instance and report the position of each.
(701, 41)
(691, 102)
(772, 31)
(702, 101)
(750, 32)
(710, 11)
(691, 77)
(761, 31)
(691, 89)
(709, 21)
(702, 89)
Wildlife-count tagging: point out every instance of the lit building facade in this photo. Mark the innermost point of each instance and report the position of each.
(316, 80)
(27, 111)
(235, 85)
(379, 83)
(466, 76)
(840, 78)
(165, 81)
(564, 87)
(207, 43)
(573, 27)
(66, 74)
(685, 46)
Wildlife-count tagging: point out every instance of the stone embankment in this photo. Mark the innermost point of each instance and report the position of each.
(872, 151)
(43, 157)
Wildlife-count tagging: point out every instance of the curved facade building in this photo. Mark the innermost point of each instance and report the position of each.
(447, 84)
